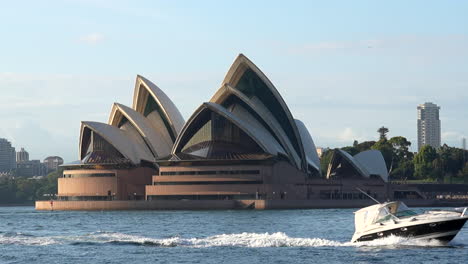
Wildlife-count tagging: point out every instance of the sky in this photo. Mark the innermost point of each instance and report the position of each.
(345, 68)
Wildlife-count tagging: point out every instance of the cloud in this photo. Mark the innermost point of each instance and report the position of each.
(452, 136)
(348, 135)
(92, 38)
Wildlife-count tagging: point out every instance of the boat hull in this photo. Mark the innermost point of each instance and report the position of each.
(444, 231)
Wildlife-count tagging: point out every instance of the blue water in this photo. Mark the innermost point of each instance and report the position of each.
(284, 236)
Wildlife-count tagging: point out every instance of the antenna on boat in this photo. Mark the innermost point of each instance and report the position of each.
(368, 195)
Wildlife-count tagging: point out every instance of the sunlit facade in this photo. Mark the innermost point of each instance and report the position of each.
(242, 144)
(117, 160)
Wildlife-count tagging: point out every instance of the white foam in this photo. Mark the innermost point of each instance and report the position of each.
(19, 239)
(251, 240)
(105, 237)
(400, 241)
(258, 240)
(278, 239)
(254, 240)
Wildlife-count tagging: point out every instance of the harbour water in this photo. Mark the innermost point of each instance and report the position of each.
(281, 236)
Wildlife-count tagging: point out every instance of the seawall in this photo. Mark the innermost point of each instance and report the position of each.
(228, 204)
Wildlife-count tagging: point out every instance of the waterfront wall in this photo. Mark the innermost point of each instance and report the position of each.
(229, 204)
(330, 204)
(135, 205)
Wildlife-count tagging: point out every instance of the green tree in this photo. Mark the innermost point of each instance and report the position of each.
(423, 162)
(386, 149)
(383, 132)
(366, 145)
(463, 174)
(48, 184)
(404, 170)
(401, 147)
(325, 160)
(402, 159)
(26, 189)
(7, 191)
(351, 150)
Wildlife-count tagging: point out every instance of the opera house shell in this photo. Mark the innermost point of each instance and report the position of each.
(366, 164)
(242, 144)
(117, 159)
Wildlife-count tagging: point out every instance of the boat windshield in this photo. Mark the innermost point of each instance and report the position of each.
(393, 210)
(406, 213)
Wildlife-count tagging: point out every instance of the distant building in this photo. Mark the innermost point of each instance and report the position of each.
(464, 143)
(6, 174)
(52, 163)
(428, 125)
(7, 156)
(22, 156)
(30, 168)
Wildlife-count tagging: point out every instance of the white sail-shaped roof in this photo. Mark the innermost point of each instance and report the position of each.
(366, 163)
(257, 133)
(374, 163)
(268, 120)
(158, 140)
(309, 146)
(119, 139)
(165, 111)
(251, 81)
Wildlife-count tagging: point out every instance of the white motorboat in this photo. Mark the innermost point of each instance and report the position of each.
(395, 218)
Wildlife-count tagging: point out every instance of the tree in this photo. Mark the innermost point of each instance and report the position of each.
(386, 149)
(366, 145)
(463, 174)
(49, 184)
(403, 170)
(355, 143)
(26, 189)
(401, 146)
(423, 166)
(429, 163)
(7, 191)
(351, 150)
(402, 158)
(382, 132)
(325, 160)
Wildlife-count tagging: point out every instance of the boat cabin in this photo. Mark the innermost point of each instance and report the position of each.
(380, 213)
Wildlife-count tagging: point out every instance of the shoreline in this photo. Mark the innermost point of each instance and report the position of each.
(227, 204)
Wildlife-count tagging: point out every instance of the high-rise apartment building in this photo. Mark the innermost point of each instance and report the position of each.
(428, 125)
(22, 156)
(7, 156)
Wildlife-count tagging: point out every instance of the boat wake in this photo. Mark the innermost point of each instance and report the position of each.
(14, 238)
(254, 240)
(250, 240)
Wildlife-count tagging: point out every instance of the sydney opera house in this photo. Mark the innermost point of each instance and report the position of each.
(365, 164)
(242, 145)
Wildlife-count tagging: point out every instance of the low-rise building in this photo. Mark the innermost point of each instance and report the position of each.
(30, 168)
(52, 163)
